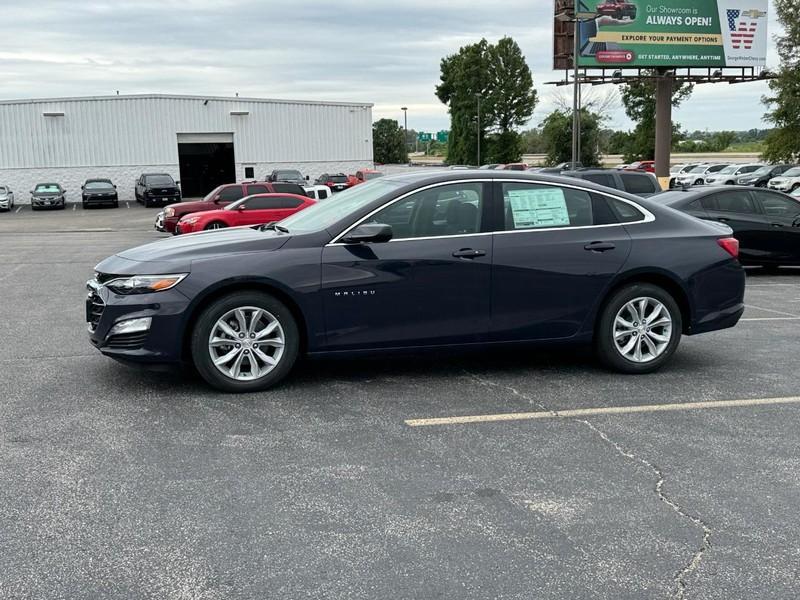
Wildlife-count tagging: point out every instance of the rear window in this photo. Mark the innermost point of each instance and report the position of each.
(338, 178)
(626, 213)
(638, 184)
(368, 176)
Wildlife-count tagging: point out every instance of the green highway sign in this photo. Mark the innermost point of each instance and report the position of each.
(442, 136)
(424, 137)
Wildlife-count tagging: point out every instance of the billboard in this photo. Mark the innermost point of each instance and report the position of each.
(673, 33)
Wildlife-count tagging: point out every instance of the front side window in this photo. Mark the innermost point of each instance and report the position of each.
(775, 206)
(455, 209)
(603, 179)
(229, 194)
(257, 189)
(534, 206)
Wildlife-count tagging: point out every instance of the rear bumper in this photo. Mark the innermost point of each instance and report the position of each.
(723, 319)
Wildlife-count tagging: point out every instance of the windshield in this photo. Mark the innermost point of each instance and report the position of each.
(792, 172)
(368, 176)
(235, 205)
(729, 170)
(98, 185)
(3, 190)
(700, 169)
(288, 175)
(764, 171)
(47, 188)
(323, 215)
(159, 180)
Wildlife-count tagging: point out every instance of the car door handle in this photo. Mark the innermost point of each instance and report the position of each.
(469, 253)
(600, 247)
(722, 219)
(777, 224)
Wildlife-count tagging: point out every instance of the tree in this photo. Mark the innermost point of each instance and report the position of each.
(500, 77)
(783, 143)
(639, 99)
(388, 145)
(557, 137)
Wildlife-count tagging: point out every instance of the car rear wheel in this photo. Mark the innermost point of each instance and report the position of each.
(699, 182)
(795, 187)
(245, 342)
(639, 329)
(215, 225)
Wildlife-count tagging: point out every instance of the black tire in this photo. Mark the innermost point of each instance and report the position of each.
(206, 321)
(699, 182)
(605, 347)
(146, 202)
(116, 204)
(795, 187)
(84, 205)
(215, 225)
(761, 184)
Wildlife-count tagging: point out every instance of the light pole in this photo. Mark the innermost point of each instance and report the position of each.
(478, 97)
(405, 125)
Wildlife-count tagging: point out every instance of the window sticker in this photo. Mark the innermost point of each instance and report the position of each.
(543, 207)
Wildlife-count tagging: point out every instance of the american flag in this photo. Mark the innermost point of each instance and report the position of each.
(743, 30)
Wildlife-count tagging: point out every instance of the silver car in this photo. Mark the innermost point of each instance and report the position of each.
(6, 198)
(699, 174)
(730, 174)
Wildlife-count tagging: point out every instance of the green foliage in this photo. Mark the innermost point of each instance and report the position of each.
(532, 142)
(639, 99)
(499, 74)
(388, 145)
(783, 143)
(557, 137)
(503, 148)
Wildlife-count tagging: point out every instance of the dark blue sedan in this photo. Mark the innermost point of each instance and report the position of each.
(419, 261)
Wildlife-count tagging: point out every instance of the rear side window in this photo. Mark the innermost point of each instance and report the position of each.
(257, 189)
(626, 213)
(288, 188)
(531, 206)
(604, 179)
(274, 202)
(776, 206)
(229, 194)
(737, 202)
(638, 184)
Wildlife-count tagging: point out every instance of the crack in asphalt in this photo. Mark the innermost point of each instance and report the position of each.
(681, 576)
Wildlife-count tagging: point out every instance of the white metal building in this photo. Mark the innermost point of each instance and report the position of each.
(201, 141)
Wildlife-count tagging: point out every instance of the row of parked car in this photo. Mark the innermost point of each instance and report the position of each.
(783, 177)
(159, 189)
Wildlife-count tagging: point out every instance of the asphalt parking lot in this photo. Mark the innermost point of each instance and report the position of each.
(118, 483)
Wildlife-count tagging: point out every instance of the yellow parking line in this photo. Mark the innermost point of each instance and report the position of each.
(610, 410)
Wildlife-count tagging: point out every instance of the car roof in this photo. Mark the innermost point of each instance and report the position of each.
(679, 196)
(158, 174)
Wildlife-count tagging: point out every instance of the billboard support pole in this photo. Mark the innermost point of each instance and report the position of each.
(664, 86)
(575, 118)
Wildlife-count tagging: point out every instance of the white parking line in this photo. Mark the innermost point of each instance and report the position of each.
(74, 207)
(19, 209)
(770, 319)
(127, 205)
(611, 410)
(769, 310)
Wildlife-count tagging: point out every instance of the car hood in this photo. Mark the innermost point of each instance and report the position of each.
(183, 208)
(176, 254)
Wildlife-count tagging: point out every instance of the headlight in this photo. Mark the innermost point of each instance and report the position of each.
(144, 284)
(189, 220)
(170, 212)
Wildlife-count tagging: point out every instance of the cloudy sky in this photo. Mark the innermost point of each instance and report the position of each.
(382, 52)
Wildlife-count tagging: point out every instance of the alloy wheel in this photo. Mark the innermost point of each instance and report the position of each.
(246, 343)
(642, 330)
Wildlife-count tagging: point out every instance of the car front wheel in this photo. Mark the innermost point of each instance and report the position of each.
(245, 342)
(639, 329)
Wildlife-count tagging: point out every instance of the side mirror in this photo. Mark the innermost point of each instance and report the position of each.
(307, 178)
(375, 233)
(115, 187)
(82, 187)
(241, 207)
(177, 183)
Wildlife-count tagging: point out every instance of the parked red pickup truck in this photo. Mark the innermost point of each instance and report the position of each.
(618, 9)
(362, 176)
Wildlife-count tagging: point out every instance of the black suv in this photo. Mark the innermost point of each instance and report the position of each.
(157, 188)
(99, 191)
(287, 176)
(633, 182)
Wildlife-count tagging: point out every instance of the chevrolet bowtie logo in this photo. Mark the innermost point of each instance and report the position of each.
(754, 14)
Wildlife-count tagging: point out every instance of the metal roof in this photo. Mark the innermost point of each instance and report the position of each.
(182, 97)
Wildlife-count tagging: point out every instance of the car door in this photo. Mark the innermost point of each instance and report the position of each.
(429, 285)
(782, 214)
(738, 210)
(559, 248)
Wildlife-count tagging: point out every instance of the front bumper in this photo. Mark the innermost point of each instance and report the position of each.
(100, 199)
(161, 344)
(5, 203)
(45, 202)
(781, 187)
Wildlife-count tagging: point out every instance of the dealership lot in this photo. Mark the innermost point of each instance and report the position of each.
(121, 483)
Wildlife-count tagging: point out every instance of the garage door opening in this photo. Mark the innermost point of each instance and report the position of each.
(205, 161)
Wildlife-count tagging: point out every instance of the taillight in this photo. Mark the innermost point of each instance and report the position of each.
(730, 245)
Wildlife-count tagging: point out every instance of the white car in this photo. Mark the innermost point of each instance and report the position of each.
(730, 174)
(6, 198)
(317, 192)
(699, 174)
(788, 182)
(677, 170)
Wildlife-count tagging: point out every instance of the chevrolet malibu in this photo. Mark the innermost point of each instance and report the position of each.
(421, 261)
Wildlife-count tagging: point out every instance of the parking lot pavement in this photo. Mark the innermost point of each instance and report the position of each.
(115, 482)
